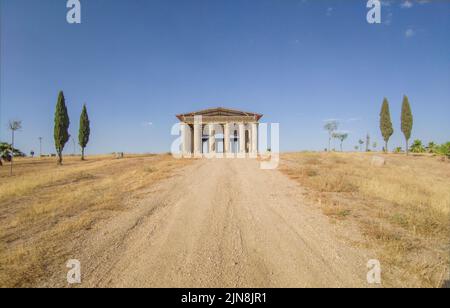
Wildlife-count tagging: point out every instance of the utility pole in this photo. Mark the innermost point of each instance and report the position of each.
(13, 126)
(40, 146)
(12, 152)
(74, 147)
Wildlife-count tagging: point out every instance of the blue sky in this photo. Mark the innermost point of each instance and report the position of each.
(137, 63)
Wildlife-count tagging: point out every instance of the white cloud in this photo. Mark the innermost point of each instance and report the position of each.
(410, 33)
(388, 19)
(407, 4)
(147, 124)
(349, 120)
(330, 11)
(331, 120)
(387, 15)
(344, 131)
(354, 119)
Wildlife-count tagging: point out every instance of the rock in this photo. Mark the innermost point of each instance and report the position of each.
(378, 161)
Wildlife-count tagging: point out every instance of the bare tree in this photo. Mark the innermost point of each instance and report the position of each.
(13, 127)
(331, 127)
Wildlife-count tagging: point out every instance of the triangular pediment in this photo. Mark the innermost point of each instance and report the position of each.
(220, 112)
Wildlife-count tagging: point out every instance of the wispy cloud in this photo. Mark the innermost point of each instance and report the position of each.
(410, 33)
(388, 7)
(388, 19)
(407, 4)
(387, 15)
(344, 131)
(330, 11)
(354, 119)
(147, 124)
(330, 120)
(349, 120)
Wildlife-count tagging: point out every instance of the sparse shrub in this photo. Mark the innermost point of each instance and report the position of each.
(309, 172)
(150, 169)
(312, 161)
(336, 212)
(338, 184)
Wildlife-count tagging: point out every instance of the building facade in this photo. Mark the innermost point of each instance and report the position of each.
(219, 132)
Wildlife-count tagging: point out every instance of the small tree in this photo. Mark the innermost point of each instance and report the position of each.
(62, 122)
(5, 152)
(13, 127)
(85, 131)
(341, 137)
(361, 143)
(32, 154)
(407, 121)
(385, 123)
(331, 127)
(374, 146)
(368, 143)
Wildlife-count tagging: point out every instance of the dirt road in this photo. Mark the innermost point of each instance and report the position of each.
(220, 223)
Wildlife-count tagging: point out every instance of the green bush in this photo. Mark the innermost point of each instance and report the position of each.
(417, 147)
(398, 150)
(443, 149)
(5, 152)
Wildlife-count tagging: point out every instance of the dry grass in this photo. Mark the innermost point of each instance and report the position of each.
(403, 208)
(45, 208)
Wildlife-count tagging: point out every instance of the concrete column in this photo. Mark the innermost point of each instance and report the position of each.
(183, 138)
(186, 138)
(212, 140)
(241, 140)
(198, 140)
(254, 140)
(226, 139)
(189, 140)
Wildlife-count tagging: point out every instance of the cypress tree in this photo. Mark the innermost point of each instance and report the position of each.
(407, 121)
(385, 123)
(62, 122)
(85, 130)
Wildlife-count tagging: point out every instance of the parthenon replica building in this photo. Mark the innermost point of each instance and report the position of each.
(219, 132)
